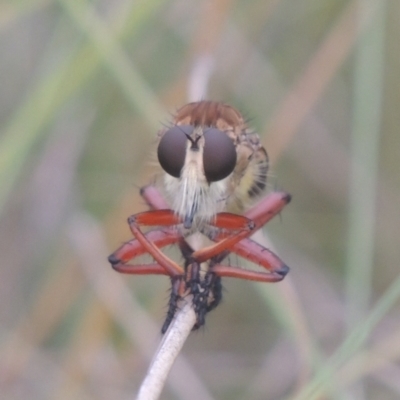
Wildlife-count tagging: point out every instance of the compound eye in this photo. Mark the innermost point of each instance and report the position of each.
(171, 150)
(219, 157)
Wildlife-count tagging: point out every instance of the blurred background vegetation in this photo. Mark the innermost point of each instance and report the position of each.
(85, 85)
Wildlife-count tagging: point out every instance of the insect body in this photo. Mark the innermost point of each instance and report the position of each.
(214, 168)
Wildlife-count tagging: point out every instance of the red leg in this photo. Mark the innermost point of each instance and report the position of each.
(241, 273)
(254, 252)
(208, 252)
(267, 208)
(140, 269)
(232, 222)
(264, 211)
(148, 218)
(150, 243)
(155, 218)
(133, 248)
(260, 214)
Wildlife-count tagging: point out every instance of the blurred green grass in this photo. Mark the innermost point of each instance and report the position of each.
(85, 87)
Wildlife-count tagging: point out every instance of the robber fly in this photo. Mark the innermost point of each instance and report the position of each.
(214, 169)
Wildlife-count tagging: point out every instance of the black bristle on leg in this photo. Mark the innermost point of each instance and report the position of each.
(208, 296)
(216, 291)
(174, 299)
(197, 289)
(215, 282)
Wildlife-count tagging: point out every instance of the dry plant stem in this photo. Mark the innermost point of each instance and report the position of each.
(166, 354)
